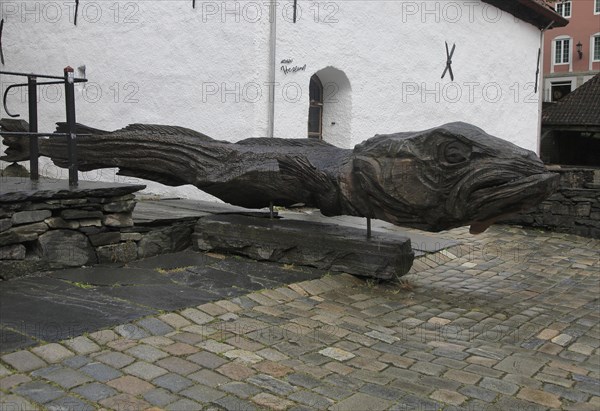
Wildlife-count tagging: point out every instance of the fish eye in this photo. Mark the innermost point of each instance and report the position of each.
(456, 152)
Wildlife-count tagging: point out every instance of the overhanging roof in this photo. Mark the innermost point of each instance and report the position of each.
(578, 108)
(536, 12)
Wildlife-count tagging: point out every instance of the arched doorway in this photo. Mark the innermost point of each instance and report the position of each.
(315, 110)
(330, 108)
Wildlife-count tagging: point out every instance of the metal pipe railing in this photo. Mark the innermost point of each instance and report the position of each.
(32, 84)
(15, 73)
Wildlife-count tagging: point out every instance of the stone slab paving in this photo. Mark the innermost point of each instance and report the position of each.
(62, 304)
(508, 320)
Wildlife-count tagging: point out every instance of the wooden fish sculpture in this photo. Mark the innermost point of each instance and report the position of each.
(445, 177)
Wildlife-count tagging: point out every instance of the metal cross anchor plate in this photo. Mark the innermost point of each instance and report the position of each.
(76, 11)
(537, 70)
(1, 51)
(295, 9)
(448, 68)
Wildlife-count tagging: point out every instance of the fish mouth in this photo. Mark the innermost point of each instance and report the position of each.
(493, 200)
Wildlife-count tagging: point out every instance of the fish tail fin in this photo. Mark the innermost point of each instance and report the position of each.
(16, 147)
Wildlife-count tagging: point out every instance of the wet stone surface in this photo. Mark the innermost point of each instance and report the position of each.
(65, 303)
(505, 320)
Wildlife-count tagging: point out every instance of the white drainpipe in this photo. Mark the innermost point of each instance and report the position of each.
(272, 65)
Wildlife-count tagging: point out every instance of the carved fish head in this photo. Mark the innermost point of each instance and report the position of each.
(449, 176)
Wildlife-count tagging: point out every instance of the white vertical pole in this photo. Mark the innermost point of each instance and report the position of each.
(272, 65)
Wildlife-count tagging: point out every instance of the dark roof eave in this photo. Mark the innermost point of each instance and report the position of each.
(531, 11)
(573, 125)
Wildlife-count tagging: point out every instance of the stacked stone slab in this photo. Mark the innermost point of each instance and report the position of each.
(48, 229)
(574, 208)
(324, 246)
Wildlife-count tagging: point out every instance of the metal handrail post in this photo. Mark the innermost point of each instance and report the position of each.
(33, 128)
(71, 136)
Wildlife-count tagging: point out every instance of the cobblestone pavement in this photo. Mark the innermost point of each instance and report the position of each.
(508, 320)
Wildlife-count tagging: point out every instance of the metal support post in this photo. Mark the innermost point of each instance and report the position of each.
(71, 127)
(33, 128)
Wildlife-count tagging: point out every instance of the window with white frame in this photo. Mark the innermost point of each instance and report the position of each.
(564, 8)
(596, 48)
(562, 51)
(596, 6)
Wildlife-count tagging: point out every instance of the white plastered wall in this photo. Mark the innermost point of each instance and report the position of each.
(207, 68)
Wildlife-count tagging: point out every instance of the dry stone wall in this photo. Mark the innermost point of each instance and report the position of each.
(574, 208)
(60, 229)
(68, 232)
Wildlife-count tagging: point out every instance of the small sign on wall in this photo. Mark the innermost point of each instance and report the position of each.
(286, 67)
